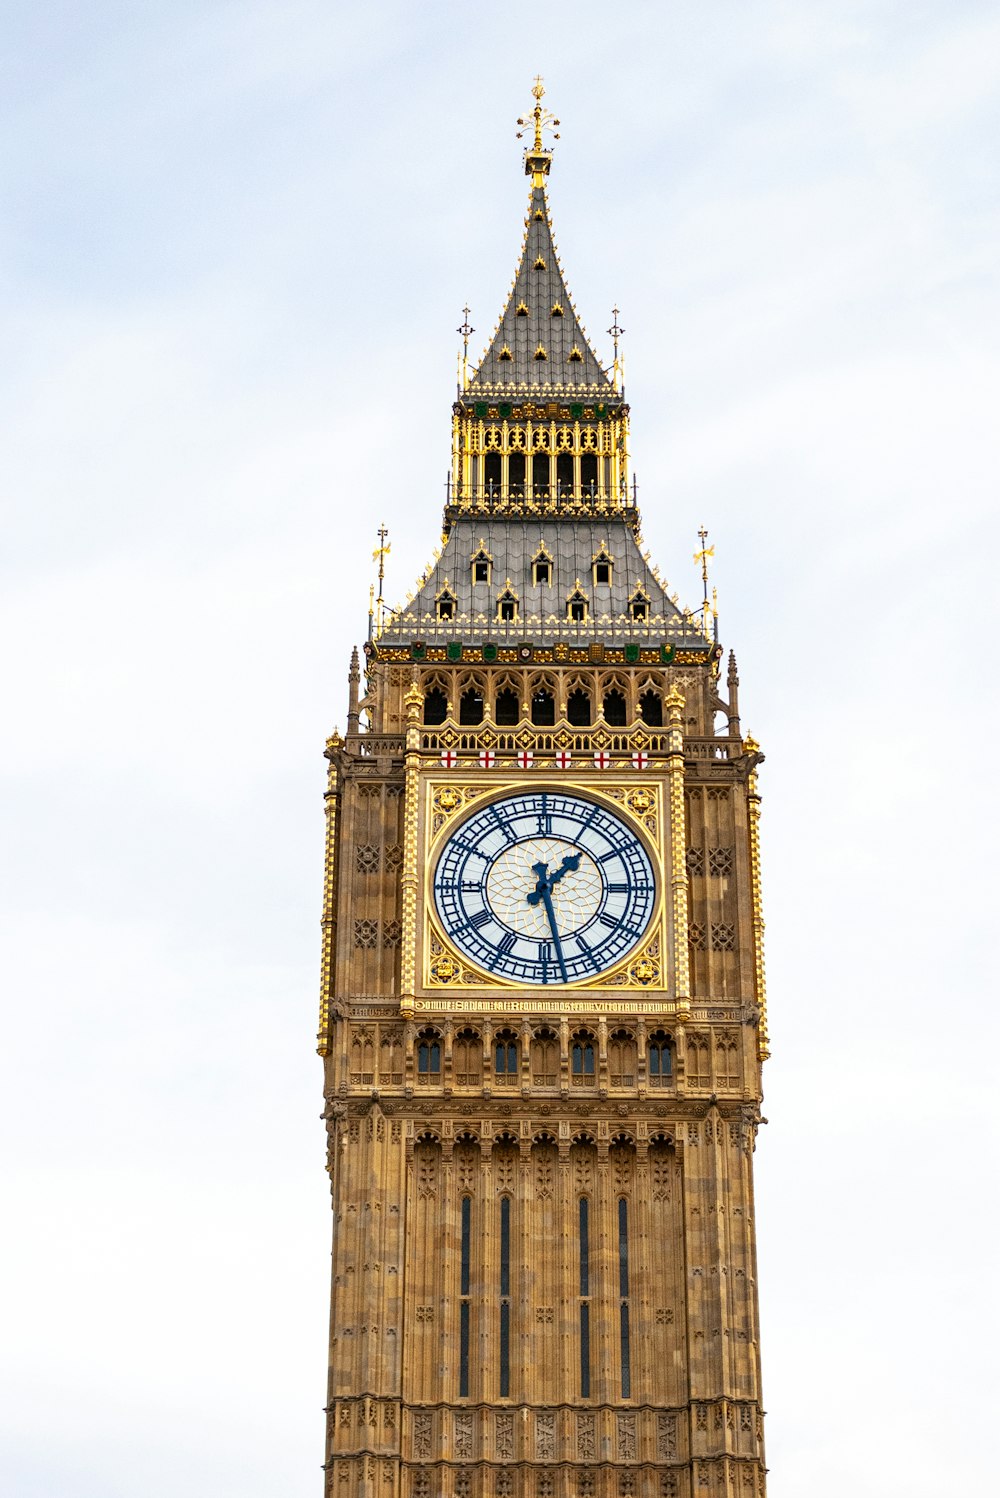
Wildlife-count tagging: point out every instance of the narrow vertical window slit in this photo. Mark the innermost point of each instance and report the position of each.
(505, 1297)
(623, 1295)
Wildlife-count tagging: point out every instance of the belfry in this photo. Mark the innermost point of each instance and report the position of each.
(542, 1013)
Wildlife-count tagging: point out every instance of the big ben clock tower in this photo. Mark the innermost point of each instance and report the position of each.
(542, 1014)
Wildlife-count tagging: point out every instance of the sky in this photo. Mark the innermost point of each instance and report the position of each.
(235, 243)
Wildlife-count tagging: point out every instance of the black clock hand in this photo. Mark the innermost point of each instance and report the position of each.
(570, 863)
(543, 892)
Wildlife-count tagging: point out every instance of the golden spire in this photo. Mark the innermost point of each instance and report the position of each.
(465, 330)
(379, 555)
(537, 160)
(708, 610)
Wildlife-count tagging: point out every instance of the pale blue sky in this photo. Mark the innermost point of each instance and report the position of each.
(232, 235)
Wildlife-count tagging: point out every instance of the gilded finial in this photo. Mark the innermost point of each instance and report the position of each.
(537, 160)
(413, 703)
(379, 555)
(616, 332)
(704, 556)
(464, 331)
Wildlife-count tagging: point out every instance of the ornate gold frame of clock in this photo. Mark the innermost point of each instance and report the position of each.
(650, 801)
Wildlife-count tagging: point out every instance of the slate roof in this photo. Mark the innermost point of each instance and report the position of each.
(539, 286)
(542, 611)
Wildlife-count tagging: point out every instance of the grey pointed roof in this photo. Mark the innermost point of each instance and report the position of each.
(540, 288)
(511, 546)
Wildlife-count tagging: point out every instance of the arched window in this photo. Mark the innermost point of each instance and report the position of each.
(588, 473)
(515, 475)
(578, 708)
(428, 1057)
(507, 708)
(470, 706)
(615, 708)
(505, 1058)
(545, 1058)
(446, 604)
(622, 1059)
(582, 1059)
(482, 567)
(492, 468)
(659, 1061)
(390, 1066)
(467, 1058)
(651, 708)
(362, 1059)
(540, 475)
(564, 473)
(435, 706)
(543, 708)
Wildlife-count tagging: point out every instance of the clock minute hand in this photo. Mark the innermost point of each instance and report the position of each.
(542, 892)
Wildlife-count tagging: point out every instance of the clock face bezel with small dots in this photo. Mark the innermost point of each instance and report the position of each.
(601, 888)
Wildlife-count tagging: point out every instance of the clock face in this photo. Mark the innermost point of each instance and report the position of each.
(544, 888)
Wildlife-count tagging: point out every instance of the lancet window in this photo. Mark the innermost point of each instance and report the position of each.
(578, 707)
(540, 475)
(435, 705)
(615, 707)
(507, 707)
(659, 1059)
(545, 1058)
(471, 705)
(390, 1066)
(543, 704)
(492, 472)
(588, 473)
(651, 708)
(465, 1303)
(622, 1059)
(428, 1057)
(467, 1058)
(582, 1059)
(505, 1058)
(623, 1300)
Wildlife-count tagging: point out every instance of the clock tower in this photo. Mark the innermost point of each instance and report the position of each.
(542, 1012)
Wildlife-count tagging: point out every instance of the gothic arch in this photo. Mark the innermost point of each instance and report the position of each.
(467, 1057)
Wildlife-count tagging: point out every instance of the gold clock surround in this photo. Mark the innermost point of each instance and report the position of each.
(448, 798)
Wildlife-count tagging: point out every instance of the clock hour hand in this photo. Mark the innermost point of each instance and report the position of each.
(542, 893)
(569, 865)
